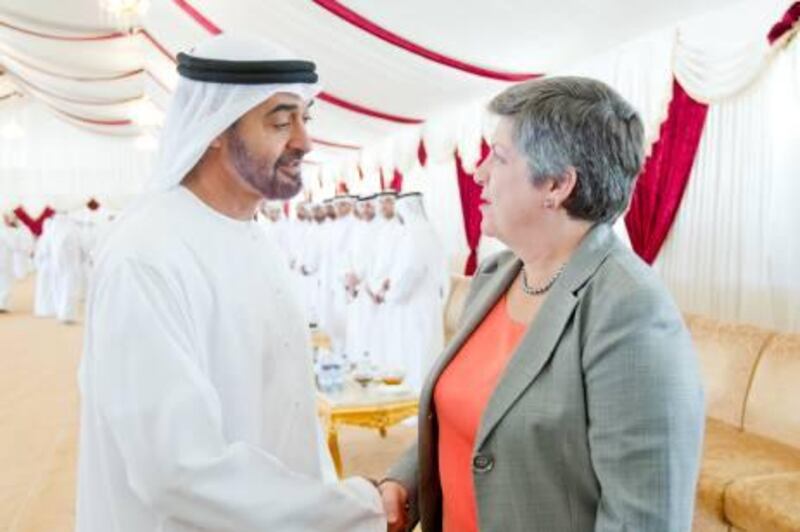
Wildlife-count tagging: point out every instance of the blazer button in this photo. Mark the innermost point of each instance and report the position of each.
(482, 463)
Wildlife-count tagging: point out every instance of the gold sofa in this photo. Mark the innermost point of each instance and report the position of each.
(750, 474)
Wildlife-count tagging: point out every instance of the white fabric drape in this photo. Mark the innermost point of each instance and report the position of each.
(733, 251)
(57, 164)
(723, 52)
(640, 71)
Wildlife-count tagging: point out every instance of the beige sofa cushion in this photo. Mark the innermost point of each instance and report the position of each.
(459, 288)
(773, 404)
(765, 503)
(730, 455)
(728, 353)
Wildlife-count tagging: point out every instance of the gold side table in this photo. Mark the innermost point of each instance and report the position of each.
(374, 407)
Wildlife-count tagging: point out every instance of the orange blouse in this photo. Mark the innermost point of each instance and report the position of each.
(460, 397)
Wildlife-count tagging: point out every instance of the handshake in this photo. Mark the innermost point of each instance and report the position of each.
(395, 504)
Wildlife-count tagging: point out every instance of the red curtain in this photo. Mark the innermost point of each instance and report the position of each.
(34, 224)
(470, 193)
(422, 153)
(397, 182)
(786, 23)
(663, 180)
(359, 21)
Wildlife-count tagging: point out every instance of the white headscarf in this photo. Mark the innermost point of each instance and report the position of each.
(200, 111)
(411, 209)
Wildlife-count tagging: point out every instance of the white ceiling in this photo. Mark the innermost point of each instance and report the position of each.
(509, 35)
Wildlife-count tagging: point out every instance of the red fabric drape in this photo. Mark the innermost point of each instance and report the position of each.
(213, 29)
(34, 224)
(422, 153)
(786, 23)
(663, 180)
(317, 140)
(397, 182)
(470, 193)
(384, 34)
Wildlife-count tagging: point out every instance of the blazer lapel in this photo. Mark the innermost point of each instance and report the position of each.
(474, 314)
(530, 357)
(543, 335)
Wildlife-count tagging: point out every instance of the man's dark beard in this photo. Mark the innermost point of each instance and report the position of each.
(268, 181)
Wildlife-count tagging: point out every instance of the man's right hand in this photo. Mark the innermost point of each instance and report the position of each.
(395, 499)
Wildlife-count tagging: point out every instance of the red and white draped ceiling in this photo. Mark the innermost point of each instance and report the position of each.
(394, 72)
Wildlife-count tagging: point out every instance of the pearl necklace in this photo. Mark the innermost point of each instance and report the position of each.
(539, 290)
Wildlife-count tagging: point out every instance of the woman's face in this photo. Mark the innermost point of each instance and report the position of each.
(510, 203)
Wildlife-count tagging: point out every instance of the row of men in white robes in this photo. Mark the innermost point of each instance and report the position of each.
(63, 261)
(373, 277)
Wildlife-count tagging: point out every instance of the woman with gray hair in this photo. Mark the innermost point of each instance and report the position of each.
(570, 398)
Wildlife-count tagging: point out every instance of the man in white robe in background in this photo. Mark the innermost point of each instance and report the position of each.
(340, 240)
(198, 402)
(359, 258)
(378, 283)
(68, 268)
(296, 229)
(23, 247)
(325, 250)
(6, 262)
(309, 260)
(416, 297)
(44, 305)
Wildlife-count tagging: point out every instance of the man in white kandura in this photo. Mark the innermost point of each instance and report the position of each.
(23, 247)
(198, 405)
(6, 262)
(44, 301)
(336, 310)
(68, 268)
(383, 347)
(359, 260)
(416, 298)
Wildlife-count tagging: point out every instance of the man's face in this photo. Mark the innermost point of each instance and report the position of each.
(330, 211)
(319, 213)
(387, 207)
(266, 146)
(343, 208)
(368, 211)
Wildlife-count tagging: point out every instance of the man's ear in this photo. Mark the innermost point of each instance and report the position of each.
(217, 142)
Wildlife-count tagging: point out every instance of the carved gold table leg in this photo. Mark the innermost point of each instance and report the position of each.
(333, 446)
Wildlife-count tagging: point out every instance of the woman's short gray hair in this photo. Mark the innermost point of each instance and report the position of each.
(564, 122)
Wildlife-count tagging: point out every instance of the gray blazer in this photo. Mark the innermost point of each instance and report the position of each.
(596, 423)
